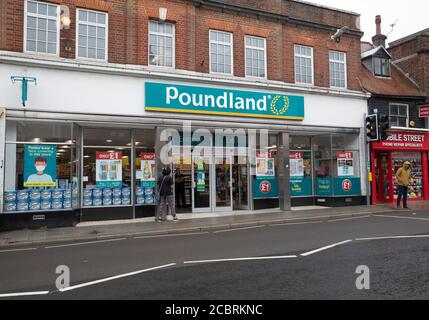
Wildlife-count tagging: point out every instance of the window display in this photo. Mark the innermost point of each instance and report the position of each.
(415, 190)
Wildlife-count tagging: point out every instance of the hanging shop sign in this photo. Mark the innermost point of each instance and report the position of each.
(40, 166)
(345, 164)
(424, 111)
(299, 185)
(217, 101)
(397, 140)
(109, 169)
(148, 169)
(265, 183)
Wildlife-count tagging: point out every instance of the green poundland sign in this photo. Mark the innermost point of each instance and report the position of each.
(214, 101)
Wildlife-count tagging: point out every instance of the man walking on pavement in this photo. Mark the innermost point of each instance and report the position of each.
(404, 179)
(165, 196)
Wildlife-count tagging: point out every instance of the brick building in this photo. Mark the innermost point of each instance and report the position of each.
(107, 79)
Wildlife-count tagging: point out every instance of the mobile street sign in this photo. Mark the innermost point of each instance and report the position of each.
(424, 111)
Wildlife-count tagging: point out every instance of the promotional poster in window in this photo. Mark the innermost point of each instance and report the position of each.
(40, 166)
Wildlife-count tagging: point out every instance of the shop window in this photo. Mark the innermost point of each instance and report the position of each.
(337, 69)
(106, 167)
(255, 56)
(322, 165)
(220, 52)
(92, 34)
(39, 167)
(382, 67)
(161, 44)
(299, 143)
(415, 191)
(41, 27)
(303, 64)
(398, 115)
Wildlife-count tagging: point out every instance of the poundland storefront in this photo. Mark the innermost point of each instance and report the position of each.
(96, 153)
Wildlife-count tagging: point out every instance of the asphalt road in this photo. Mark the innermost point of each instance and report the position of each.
(397, 266)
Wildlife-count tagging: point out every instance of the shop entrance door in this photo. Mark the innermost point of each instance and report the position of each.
(222, 184)
(240, 185)
(383, 175)
(201, 187)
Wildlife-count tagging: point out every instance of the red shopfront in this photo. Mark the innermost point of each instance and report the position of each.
(388, 156)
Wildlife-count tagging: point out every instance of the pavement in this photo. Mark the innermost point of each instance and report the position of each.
(187, 223)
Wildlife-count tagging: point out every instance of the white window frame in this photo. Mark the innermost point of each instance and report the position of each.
(398, 116)
(26, 14)
(106, 51)
(381, 75)
(223, 43)
(345, 69)
(173, 35)
(304, 56)
(254, 48)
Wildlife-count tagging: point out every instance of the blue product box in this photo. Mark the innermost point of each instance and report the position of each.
(10, 206)
(22, 195)
(97, 193)
(97, 202)
(57, 194)
(116, 201)
(87, 202)
(87, 193)
(149, 200)
(10, 196)
(46, 195)
(126, 192)
(35, 205)
(140, 200)
(107, 201)
(117, 192)
(148, 191)
(35, 195)
(107, 193)
(139, 191)
(45, 205)
(67, 194)
(126, 200)
(67, 204)
(57, 204)
(22, 206)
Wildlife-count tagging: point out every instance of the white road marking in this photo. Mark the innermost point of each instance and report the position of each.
(83, 243)
(398, 217)
(393, 237)
(240, 259)
(352, 218)
(238, 229)
(115, 277)
(22, 294)
(295, 223)
(325, 248)
(17, 250)
(171, 235)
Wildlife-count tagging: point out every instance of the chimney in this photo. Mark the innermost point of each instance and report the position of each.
(379, 39)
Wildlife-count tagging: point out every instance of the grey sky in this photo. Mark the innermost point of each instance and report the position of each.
(411, 15)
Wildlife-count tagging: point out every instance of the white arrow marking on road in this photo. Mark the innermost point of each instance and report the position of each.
(22, 294)
(325, 248)
(115, 277)
(240, 259)
(395, 237)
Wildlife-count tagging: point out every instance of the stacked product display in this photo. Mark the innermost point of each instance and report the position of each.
(145, 196)
(106, 197)
(415, 190)
(40, 200)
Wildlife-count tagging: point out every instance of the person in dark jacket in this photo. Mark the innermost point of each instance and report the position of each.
(165, 194)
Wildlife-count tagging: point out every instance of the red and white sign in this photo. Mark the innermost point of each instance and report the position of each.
(424, 111)
(398, 141)
(344, 155)
(296, 155)
(147, 156)
(347, 185)
(265, 186)
(108, 155)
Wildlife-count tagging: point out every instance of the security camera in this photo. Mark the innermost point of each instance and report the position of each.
(338, 34)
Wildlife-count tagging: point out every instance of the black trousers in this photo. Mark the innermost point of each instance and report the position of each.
(402, 193)
(180, 197)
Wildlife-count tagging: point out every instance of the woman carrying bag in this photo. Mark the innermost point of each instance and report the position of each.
(165, 196)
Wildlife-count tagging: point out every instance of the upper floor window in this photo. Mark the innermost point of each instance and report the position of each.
(398, 115)
(255, 56)
(161, 44)
(303, 64)
(42, 25)
(337, 69)
(91, 34)
(220, 52)
(381, 67)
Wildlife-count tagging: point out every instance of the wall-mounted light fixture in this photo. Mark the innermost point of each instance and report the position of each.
(162, 14)
(65, 20)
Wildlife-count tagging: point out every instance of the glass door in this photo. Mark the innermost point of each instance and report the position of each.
(240, 186)
(223, 183)
(201, 190)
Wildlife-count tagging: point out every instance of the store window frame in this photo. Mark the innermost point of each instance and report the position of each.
(48, 18)
(398, 115)
(164, 36)
(87, 23)
(255, 49)
(298, 67)
(222, 44)
(335, 82)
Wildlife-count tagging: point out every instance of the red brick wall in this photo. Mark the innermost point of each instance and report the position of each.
(128, 34)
